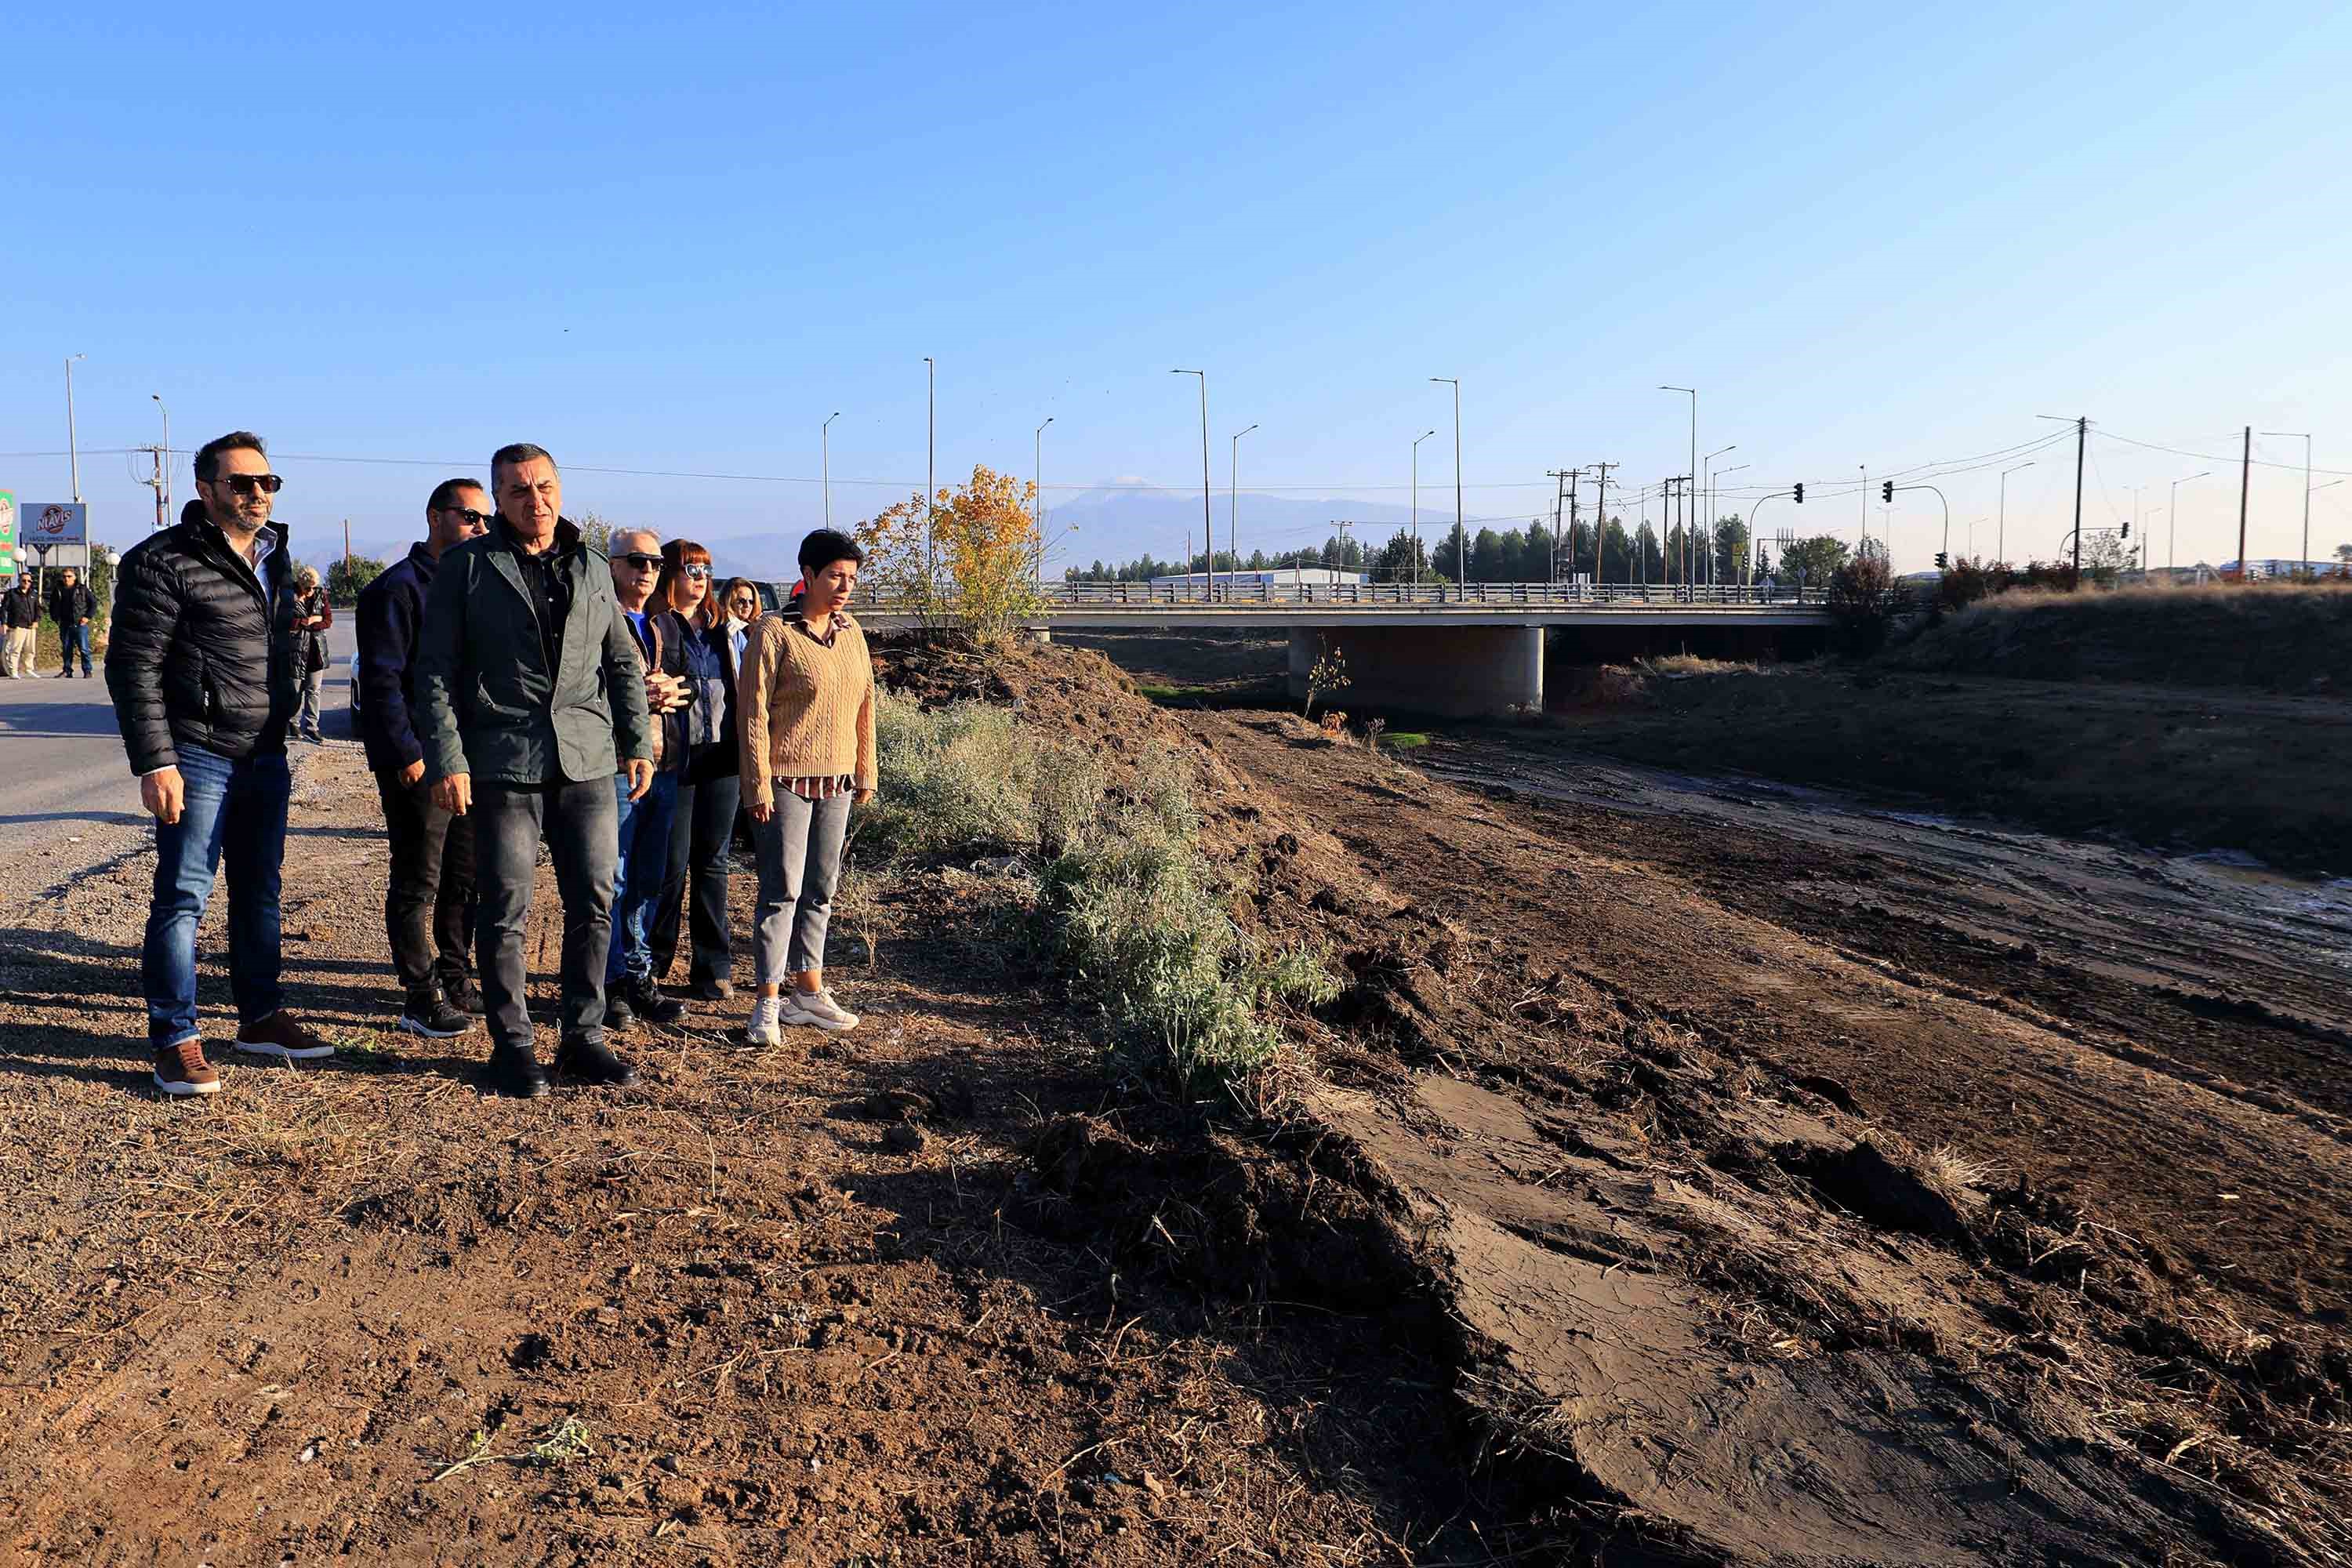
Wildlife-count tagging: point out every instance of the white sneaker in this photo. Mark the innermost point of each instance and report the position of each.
(763, 1029)
(818, 1010)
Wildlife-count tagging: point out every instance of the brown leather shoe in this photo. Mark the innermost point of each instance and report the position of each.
(280, 1035)
(181, 1069)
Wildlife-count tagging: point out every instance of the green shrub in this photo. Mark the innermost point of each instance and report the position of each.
(1404, 739)
(1130, 909)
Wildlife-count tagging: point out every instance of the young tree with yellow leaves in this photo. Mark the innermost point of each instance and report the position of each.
(965, 561)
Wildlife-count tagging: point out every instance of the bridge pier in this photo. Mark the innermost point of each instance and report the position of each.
(1455, 672)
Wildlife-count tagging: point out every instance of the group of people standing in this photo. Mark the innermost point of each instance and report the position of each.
(515, 685)
(71, 605)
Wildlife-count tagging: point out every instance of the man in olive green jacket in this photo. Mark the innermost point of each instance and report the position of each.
(529, 698)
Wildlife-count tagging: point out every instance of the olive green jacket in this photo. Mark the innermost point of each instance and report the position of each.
(486, 701)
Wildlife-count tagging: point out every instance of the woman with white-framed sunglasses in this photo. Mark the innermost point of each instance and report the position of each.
(709, 787)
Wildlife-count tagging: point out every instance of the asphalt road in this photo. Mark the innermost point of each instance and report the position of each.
(61, 762)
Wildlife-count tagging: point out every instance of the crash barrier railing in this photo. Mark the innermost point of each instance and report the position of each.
(1276, 595)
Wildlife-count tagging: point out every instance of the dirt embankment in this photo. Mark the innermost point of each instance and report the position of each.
(2268, 637)
(1607, 1221)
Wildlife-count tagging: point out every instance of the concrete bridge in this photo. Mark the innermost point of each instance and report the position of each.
(1473, 649)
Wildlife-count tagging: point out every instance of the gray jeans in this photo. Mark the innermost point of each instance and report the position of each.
(581, 822)
(306, 722)
(800, 865)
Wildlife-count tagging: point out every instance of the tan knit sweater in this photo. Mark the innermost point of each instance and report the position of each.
(803, 710)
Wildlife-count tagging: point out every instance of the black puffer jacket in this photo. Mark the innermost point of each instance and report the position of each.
(202, 652)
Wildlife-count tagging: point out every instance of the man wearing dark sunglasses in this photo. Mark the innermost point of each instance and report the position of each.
(531, 698)
(428, 904)
(205, 668)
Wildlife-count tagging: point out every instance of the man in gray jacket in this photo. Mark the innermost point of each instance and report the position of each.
(529, 698)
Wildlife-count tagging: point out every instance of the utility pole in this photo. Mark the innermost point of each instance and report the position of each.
(162, 479)
(2082, 443)
(1232, 511)
(1037, 506)
(2245, 478)
(1600, 514)
(1558, 512)
(1574, 475)
(1343, 525)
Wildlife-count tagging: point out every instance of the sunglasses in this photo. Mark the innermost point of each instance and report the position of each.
(473, 519)
(642, 562)
(245, 484)
(696, 570)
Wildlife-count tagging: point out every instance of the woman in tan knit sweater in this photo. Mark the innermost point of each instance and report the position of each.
(804, 717)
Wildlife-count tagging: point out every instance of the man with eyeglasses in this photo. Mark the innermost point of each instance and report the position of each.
(205, 669)
(428, 905)
(71, 606)
(531, 698)
(630, 988)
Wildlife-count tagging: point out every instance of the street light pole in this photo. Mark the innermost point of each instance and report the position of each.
(2306, 559)
(1208, 543)
(1461, 534)
(73, 450)
(1037, 503)
(931, 469)
(1707, 500)
(1232, 511)
(824, 446)
(2172, 521)
(1417, 441)
(2000, 541)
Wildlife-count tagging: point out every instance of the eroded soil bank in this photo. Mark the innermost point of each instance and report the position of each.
(1617, 1212)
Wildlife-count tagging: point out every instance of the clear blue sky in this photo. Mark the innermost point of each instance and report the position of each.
(677, 238)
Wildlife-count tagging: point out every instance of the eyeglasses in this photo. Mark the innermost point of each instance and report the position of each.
(643, 562)
(696, 569)
(245, 484)
(473, 519)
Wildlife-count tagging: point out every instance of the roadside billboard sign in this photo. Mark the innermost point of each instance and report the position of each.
(8, 544)
(54, 522)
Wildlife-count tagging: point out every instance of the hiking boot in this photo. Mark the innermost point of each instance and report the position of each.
(640, 995)
(763, 1029)
(181, 1069)
(429, 1013)
(818, 1010)
(589, 1061)
(465, 996)
(280, 1035)
(517, 1074)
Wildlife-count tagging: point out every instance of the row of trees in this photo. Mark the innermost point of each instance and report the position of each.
(1530, 554)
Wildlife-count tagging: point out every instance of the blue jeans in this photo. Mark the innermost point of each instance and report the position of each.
(234, 811)
(645, 860)
(71, 637)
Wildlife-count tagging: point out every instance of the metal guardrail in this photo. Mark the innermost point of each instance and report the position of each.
(1279, 596)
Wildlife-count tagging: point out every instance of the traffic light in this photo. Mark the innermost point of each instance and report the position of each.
(1886, 492)
(1943, 561)
(1800, 495)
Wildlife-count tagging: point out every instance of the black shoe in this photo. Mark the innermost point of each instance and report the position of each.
(618, 1014)
(465, 996)
(429, 1014)
(589, 1061)
(645, 1000)
(517, 1074)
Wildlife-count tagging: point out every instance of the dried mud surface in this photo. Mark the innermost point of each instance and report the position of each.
(1606, 1221)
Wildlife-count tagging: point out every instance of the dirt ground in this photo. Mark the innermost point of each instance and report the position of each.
(1629, 1204)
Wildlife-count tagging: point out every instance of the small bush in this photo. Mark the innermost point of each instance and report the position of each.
(1404, 741)
(953, 778)
(1865, 600)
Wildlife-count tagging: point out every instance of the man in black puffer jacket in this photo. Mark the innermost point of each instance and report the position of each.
(73, 606)
(202, 665)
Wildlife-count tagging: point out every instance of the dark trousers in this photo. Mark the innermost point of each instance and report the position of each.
(428, 905)
(580, 824)
(70, 638)
(700, 850)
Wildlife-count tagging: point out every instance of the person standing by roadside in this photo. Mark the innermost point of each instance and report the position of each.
(202, 667)
(72, 606)
(428, 904)
(645, 815)
(710, 784)
(313, 616)
(531, 697)
(805, 715)
(20, 614)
